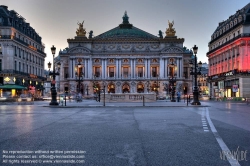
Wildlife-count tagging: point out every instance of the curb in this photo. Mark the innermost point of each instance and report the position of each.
(117, 106)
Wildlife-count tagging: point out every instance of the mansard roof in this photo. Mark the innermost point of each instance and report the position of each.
(241, 16)
(126, 30)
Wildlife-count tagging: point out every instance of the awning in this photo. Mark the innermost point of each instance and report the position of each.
(9, 86)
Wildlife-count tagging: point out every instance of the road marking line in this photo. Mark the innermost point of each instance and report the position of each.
(206, 130)
(222, 144)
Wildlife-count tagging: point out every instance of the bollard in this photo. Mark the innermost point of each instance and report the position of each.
(143, 102)
(65, 100)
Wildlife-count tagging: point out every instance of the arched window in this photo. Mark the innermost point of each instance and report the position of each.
(235, 21)
(111, 61)
(154, 61)
(140, 60)
(125, 60)
(231, 24)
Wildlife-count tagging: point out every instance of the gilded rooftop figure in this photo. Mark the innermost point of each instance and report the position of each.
(170, 32)
(80, 31)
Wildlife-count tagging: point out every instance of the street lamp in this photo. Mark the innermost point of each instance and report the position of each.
(172, 80)
(79, 77)
(195, 72)
(53, 73)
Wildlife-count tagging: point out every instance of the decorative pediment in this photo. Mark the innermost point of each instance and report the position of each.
(172, 50)
(79, 50)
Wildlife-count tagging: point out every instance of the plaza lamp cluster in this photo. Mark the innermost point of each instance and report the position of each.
(54, 74)
(195, 70)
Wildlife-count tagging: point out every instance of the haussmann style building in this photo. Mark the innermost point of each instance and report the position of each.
(125, 59)
(21, 56)
(229, 56)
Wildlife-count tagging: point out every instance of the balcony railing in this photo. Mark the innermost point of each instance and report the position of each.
(229, 41)
(20, 41)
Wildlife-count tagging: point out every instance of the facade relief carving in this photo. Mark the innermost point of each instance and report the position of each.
(111, 47)
(139, 46)
(155, 46)
(126, 46)
(79, 50)
(172, 50)
(97, 47)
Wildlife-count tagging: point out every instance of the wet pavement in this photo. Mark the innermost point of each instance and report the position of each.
(119, 135)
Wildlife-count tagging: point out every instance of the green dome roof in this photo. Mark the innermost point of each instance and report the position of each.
(132, 32)
(126, 30)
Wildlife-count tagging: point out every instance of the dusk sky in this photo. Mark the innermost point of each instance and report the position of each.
(56, 20)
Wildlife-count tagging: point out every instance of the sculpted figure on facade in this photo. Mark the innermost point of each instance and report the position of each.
(170, 32)
(80, 31)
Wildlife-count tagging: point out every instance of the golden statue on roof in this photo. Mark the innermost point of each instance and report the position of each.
(81, 31)
(170, 31)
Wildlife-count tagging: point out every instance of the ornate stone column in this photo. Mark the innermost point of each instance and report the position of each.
(116, 67)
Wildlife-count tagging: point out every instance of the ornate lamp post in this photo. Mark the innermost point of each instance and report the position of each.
(172, 80)
(195, 72)
(79, 77)
(53, 88)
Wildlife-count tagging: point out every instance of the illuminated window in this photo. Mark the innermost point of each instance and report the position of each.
(125, 72)
(140, 71)
(111, 72)
(154, 71)
(97, 71)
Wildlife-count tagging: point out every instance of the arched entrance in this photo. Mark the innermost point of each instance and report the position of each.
(154, 87)
(111, 88)
(96, 88)
(125, 88)
(185, 88)
(140, 88)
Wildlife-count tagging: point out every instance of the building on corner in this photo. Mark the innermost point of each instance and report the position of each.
(229, 56)
(21, 56)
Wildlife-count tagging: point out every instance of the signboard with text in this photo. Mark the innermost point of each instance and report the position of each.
(235, 88)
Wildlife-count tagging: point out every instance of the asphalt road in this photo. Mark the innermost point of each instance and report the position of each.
(122, 136)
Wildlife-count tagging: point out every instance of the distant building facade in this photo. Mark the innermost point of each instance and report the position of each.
(229, 56)
(125, 59)
(21, 55)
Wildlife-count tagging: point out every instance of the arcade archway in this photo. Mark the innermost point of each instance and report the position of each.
(140, 88)
(111, 88)
(125, 88)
